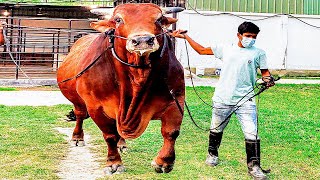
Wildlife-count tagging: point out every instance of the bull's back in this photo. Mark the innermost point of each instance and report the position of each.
(69, 67)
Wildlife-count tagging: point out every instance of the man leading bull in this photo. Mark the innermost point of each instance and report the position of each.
(237, 79)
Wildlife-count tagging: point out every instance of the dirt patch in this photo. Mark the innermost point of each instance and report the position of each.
(38, 88)
(79, 163)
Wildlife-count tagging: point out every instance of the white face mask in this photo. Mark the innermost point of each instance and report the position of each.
(247, 42)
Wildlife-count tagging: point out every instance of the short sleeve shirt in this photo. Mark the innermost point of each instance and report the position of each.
(238, 72)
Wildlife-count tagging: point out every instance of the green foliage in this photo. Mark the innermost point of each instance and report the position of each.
(289, 126)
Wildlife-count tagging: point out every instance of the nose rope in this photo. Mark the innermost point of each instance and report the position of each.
(111, 36)
(122, 37)
(128, 64)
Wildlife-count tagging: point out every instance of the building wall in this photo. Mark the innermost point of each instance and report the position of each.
(289, 43)
(311, 7)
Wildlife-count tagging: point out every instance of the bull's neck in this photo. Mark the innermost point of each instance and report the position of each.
(133, 85)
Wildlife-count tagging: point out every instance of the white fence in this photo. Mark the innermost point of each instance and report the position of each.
(289, 43)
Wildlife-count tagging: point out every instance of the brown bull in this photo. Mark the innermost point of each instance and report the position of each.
(2, 24)
(124, 87)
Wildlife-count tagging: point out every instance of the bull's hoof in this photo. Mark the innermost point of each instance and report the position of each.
(77, 142)
(114, 169)
(161, 169)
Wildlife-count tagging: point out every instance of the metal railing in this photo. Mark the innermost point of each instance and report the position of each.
(104, 3)
(37, 51)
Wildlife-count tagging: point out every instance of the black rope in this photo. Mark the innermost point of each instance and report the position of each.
(111, 36)
(262, 87)
(85, 69)
(128, 64)
(189, 68)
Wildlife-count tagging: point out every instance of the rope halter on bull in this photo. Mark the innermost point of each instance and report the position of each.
(111, 34)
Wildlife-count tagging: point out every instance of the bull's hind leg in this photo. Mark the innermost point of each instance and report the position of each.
(170, 129)
(78, 135)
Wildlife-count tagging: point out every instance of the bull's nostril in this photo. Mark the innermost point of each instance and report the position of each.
(150, 41)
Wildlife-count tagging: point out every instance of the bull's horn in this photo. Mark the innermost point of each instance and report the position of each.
(102, 11)
(169, 10)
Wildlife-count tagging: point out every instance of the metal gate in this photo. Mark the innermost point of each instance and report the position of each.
(35, 51)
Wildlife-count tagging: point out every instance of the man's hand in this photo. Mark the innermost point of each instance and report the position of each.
(268, 80)
(179, 33)
(2, 24)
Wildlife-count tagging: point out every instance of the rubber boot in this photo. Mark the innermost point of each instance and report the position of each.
(214, 143)
(253, 159)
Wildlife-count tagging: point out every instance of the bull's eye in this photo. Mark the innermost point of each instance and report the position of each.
(118, 20)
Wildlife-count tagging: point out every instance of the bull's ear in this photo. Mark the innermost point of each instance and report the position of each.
(168, 21)
(102, 26)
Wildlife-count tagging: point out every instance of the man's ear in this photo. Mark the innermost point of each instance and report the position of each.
(167, 21)
(238, 35)
(102, 26)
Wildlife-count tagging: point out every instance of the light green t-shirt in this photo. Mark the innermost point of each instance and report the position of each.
(238, 72)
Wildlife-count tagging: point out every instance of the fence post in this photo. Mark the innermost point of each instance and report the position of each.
(284, 42)
(18, 49)
(69, 36)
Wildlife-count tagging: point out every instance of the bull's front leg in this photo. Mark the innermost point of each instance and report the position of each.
(110, 134)
(114, 163)
(170, 129)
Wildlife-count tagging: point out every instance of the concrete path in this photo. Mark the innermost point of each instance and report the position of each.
(48, 98)
(32, 98)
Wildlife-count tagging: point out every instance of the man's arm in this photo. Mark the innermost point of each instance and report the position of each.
(265, 72)
(196, 46)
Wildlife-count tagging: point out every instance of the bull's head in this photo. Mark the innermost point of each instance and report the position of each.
(139, 24)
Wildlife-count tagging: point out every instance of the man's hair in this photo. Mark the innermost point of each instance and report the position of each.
(248, 27)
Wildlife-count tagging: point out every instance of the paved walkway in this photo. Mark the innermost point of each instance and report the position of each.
(32, 98)
(48, 98)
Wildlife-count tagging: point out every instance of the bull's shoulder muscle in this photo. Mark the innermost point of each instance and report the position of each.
(76, 54)
(83, 53)
(83, 42)
(79, 49)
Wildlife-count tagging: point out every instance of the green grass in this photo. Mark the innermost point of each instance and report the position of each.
(289, 126)
(7, 89)
(29, 146)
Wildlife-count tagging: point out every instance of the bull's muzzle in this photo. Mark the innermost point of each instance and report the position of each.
(142, 45)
